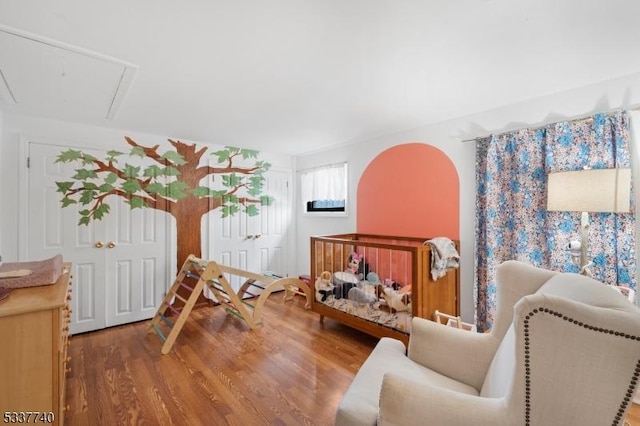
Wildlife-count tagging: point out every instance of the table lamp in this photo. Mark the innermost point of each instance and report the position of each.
(588, 191)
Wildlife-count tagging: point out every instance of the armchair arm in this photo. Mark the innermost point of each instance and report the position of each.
(404, 402)
(459, 354)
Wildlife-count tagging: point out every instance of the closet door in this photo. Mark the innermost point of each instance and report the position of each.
(119, 262)
(256, 243)
(135, 262)
(269, 230)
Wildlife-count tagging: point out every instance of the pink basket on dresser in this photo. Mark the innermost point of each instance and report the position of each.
(43, 272)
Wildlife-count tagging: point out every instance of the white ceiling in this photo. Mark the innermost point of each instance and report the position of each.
(294, 76)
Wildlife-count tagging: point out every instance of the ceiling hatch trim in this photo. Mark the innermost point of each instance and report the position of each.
(49, 76)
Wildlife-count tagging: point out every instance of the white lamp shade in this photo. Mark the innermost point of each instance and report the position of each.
(592, 190)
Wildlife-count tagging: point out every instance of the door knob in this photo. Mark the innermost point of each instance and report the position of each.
(99, 244)
(111, 244)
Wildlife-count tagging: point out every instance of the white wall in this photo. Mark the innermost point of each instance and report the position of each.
(448, 136)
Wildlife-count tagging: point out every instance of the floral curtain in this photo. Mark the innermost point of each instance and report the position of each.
(512, 221)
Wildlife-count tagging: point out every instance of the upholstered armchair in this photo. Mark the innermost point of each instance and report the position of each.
(564, 350)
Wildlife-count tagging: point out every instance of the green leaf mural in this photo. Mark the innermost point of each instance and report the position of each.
(173, 181)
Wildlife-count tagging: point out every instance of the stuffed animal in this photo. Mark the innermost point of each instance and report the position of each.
(353, 264)
(373, 278)
(349, 278)
(343, 282)
(396, 301)
(324, 287)
(391, 283)
(359, 295)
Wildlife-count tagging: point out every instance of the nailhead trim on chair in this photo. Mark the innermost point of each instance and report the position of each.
(527, 367)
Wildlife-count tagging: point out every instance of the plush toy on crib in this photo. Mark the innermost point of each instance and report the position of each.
(396, 300)
(324, 286)
(366, 292)
(353, 264)
(349, 278)
(360, 295)
(391, 283)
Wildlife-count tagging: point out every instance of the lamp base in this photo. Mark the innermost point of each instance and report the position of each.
(583, 263)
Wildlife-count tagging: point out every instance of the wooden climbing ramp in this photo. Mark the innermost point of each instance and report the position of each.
(197, 274)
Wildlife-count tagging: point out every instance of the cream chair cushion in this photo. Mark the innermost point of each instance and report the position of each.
(564, 350)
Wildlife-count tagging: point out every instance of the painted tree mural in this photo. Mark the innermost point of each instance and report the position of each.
(170, 182)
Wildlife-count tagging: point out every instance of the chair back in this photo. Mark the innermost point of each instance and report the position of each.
(571, 355)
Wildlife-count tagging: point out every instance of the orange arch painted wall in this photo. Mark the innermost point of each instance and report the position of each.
(410, 190)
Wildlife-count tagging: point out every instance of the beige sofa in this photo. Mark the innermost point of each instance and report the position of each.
(564, 350)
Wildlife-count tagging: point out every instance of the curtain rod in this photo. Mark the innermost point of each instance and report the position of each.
(542, 125)
(324, 166)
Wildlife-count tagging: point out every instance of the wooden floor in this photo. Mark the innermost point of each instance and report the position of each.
(290, 371)
(633, 417)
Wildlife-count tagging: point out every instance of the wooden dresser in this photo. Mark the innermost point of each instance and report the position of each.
(34, 334)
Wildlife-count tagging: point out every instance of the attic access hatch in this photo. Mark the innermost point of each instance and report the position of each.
(43, 76)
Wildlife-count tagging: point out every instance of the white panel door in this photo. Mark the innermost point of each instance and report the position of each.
(256, 243)
(268, 231)
(135, 262)
(119, 262)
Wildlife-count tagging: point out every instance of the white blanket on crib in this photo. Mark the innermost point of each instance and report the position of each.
(444, 256)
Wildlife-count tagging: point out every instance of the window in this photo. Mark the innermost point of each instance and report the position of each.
(324, 189)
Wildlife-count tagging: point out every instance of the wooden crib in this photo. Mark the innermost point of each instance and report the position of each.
(390, 267)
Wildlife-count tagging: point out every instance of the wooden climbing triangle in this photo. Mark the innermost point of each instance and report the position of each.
(246, 304)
